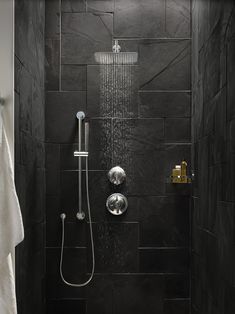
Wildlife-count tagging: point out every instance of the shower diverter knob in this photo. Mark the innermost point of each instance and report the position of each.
(116, 175)
(116, 204)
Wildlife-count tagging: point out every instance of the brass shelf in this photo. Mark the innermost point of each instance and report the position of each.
(182, 181)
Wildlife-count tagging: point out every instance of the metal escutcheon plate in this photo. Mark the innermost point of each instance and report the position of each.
(116, 175)
(117, 204)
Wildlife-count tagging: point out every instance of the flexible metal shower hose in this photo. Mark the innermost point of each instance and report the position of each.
(91, 237)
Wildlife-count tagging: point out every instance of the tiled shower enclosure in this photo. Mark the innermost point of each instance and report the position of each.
(172, 252)
(142, 258)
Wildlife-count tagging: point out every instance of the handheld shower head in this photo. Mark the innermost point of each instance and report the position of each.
(80, 115)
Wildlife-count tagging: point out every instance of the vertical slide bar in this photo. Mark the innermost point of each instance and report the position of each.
(80, 166)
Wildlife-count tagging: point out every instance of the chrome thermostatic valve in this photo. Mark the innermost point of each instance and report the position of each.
(116, 175)
(117, 204)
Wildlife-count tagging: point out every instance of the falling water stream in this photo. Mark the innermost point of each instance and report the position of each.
(117, 77)
(117, 100)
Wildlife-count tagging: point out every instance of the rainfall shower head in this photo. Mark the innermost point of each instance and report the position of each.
(116, 57)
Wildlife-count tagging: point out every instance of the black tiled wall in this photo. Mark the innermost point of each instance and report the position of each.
(213, 123)
(29, 152)
(142, 258)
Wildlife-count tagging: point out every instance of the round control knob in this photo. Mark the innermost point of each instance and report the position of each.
(117, 175)
(117, 204)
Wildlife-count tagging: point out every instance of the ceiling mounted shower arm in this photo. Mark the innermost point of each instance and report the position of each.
(116, 47)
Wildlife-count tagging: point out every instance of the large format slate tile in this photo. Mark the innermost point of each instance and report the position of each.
(52, 160)
(52, 64)
(164, 260)
(178, 130)
(232, 136)
(94, 108)
(38, 112)
(129, 292)
(231, 79)
(136, 18)
(17, 128)
(100, 5)
(66, 306)
(73, 6)
(137, 135)
(122, 240)
(99, 190)
(214, 66)
(203, 22)
(25, 91)
(69, 191)
(164, 104)
(32, 261)
(177, 286)
(164, 221)
(29, 42)
(67, 159)
(176, 306)
(80, 38)
(61, 121)
(164, 65)
(52, 19)
(178, 18)
(197, 111)
(100, 294)
(87, 6)
(73, 77)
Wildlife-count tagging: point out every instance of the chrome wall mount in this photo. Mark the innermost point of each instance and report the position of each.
(116, 175)
(117, 204)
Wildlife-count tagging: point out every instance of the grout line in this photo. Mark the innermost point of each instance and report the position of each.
(60, 66)
(163, 248)
(178, 143)
(152, 38)
(177, 299)
(164, 91)
(139, 274)
(66, 247)
(66, 298)
(165, 24)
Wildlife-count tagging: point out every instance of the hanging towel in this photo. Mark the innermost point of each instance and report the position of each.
(11, 226)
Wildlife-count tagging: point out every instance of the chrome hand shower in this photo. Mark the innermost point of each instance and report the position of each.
(80, 214)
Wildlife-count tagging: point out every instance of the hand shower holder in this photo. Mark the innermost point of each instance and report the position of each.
(80, 215)
(80, 154)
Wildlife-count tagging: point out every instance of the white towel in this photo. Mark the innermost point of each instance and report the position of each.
(11, 227)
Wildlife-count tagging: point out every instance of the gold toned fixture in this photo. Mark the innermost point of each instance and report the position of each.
(179, 173)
